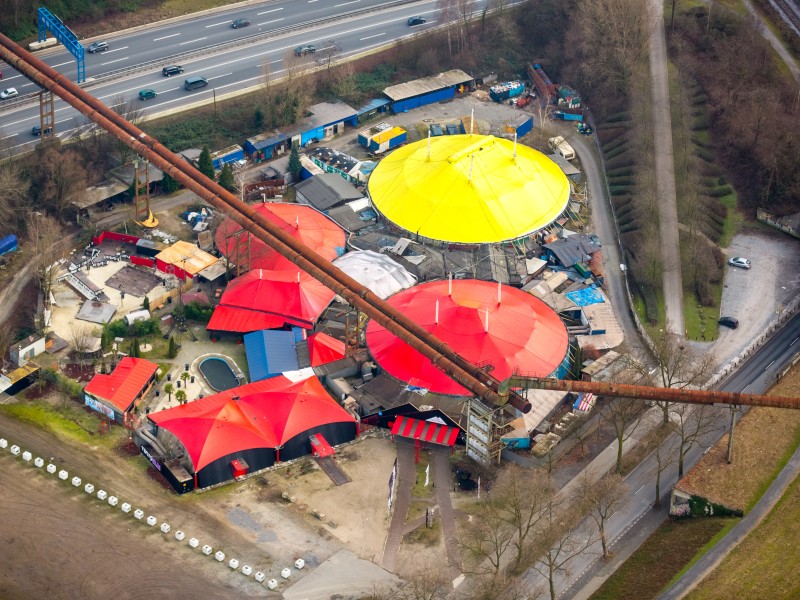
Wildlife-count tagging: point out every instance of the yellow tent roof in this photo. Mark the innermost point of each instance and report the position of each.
(469, 189)
(187, 256)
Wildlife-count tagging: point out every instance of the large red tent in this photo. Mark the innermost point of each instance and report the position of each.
(263, 299)
(501, 327)
(302, 222)
(261, 422)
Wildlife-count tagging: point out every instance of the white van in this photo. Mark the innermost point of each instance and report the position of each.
(559, 145)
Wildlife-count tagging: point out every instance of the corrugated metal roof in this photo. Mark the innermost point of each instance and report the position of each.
(270, 353)
(373, 104)
(123, 385)
(242, 320)
(418, 87)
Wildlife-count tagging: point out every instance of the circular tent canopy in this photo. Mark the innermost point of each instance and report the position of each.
(469, 189)
(303, 223)
(520, 333)
(382, 275)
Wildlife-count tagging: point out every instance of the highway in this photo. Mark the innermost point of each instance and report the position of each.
(266, 46)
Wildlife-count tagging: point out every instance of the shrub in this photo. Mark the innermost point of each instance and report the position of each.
(196, 312)
(719, 192)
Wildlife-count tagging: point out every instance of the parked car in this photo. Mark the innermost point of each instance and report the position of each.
(304, 49)
(171, 70)
(8, 93)
(37, 131)
(415, 21)
(738, 261)
(147, 94)
(729, 322)
(243, 22)
(97, 47)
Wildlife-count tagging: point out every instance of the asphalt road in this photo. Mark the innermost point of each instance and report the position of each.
(229, 72)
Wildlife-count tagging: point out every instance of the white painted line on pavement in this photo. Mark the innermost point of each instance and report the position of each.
(269, 11)
(745, 387)
(69, 62)
(769, 365)
(192, 41)
(345, 3)
(116, 50)
(218, 24)
(111, 62)
(15, 76)
(268, 22)
(166, 37)
(369, 37)
(790, 345)
(639, 490)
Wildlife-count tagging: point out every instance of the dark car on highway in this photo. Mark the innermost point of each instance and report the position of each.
(240, 23)
(304, 49)
(97, 47)
(415, 21)
(147, 94)
(171, 70)
(37, 131)
(729, 322)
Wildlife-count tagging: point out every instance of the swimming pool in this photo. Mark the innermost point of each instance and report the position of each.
(218, 374)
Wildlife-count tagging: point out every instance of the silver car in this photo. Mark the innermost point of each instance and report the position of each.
(738, 261)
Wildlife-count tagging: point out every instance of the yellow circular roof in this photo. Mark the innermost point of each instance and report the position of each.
(469, 189)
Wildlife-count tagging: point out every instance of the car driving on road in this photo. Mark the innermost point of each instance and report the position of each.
(304, 49)
(37, 131)
(729, 322)
(147, 94)
(738, 261)
(171, 70)
(415, 21)
(8, 93)
(97, 47)
(243, 22)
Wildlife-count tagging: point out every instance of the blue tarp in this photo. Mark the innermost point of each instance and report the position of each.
(270, 352)
(586, 296)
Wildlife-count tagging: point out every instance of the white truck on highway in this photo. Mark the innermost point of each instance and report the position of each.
(559, 145)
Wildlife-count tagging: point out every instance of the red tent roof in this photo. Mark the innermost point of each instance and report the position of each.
(427, 431)
(267, 414)
(123, 385)
(323, 349)
(523, 335)
(241, 320)
(294, 296)
(302, 222)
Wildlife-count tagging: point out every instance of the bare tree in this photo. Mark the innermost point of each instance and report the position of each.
(61, 178)
(45, 239)
(82, 338)
(562, 542)
(624, 416)
(665, 453)
(692, 423)
(14, 188)
(487, 537)
(602, 498)
(132, 111)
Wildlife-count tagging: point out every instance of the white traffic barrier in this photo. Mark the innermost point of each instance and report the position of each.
(259, 576)
(113, 500)
(89, 488)
(247, 570)
(63, 475)
(286, 572)
(207, 549)
(219, 555)
(299, 563)
(151, 520)
(272, 584)
(76, 481)
(233, 564)
(126, 507)
(27, 456)
(165, 528)
(38, 462)
(102, 494)
(194, 542)
(3, 443)
(179, 535)
(15, 450)
(138, 514)
(51, 468)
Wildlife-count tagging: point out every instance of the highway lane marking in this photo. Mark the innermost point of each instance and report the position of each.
(639, 490)
(69, 62)
(311, 1)
(193, 41)
(166, 37)
(745, 387)
(790, 345)
(116, 50)
(369, 37)
(15, 76)
(345, 3)
(268, 22)
(217, 24)
(269, 11)
(769, 365)
(111, 62)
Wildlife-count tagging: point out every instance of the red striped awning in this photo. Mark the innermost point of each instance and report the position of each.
(426, 431)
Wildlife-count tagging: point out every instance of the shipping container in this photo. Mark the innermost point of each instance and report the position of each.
(8, 244)
(228, 155)
(546, 88)
(521, 125)
(504, 91)
(365, 136)
(566, 116)
(386, 140)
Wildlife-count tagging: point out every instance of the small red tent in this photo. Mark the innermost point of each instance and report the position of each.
(323, 349)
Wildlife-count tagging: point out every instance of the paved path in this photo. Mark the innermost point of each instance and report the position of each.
(406, 478)
(441, 479)
(672, 282)
(715, 556)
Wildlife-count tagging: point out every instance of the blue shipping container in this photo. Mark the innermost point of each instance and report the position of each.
(567, 116)
(235, 153)
(8, 244)
(411, 103)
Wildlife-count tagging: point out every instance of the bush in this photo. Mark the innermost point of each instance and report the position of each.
(706, 155)
(117, 328)
(196, 312)
(143, 328)
(719, 192)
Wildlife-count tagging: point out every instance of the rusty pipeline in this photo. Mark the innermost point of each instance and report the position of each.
(468, 375)
(662, 394)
